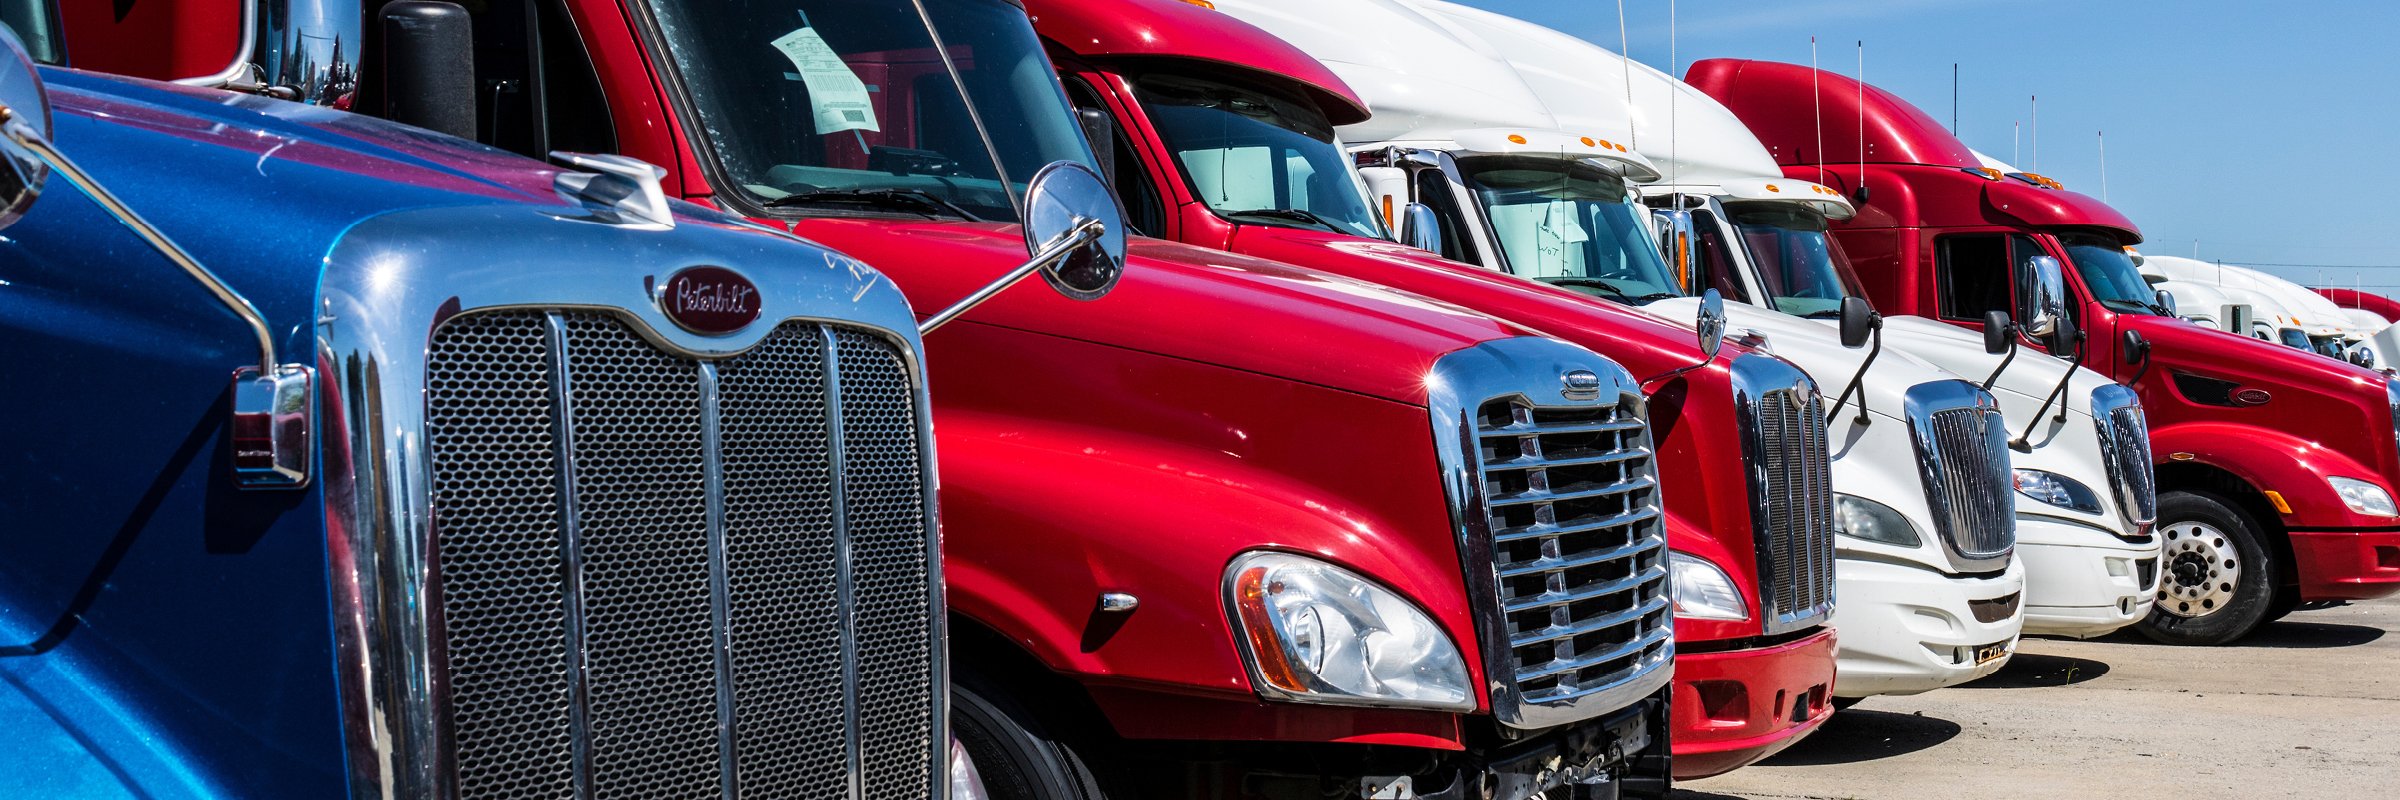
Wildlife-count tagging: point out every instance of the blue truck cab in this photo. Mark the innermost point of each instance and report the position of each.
(346, 459)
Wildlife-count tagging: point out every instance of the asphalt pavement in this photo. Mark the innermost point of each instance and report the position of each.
(2306, 707)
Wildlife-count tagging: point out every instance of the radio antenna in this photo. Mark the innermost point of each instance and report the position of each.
(1817, 102)
(1674, 136)
(2103, 137)
(1861, 192)
(2034, 103)
(1954, 98)
(1625, 49)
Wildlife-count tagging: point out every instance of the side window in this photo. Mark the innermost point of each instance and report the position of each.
(1974, 276)
(1713, 251)
(1145, 211)
(1433, 189)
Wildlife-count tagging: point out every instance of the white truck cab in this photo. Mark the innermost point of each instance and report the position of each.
(1929, 584)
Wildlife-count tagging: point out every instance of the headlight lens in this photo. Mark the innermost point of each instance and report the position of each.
(2363, 497)
(1703, 590)
(1314, 632)
(965, 784)
(1861, 518)
(2058, 490)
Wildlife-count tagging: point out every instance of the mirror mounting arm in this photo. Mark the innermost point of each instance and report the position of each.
(2024, 441)
(1858, 378)
(2004, 360)
(273, 405)
(1083, 235)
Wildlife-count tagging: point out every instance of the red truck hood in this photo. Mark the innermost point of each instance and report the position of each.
(1185, 302)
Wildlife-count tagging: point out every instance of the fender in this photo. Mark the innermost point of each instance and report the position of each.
(2272, 460)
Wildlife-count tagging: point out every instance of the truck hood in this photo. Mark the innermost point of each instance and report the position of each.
(2029, 378)
(1176, 300)
(1818, 350)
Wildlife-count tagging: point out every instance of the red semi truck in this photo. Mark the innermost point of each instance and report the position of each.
(2274, 474)
(1222, 137)
(1240, 530)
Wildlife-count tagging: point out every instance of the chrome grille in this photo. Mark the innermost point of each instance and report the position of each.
(1962, 454)
(1795, 534)
(2124, 433)
(663, 576)
(1578, 553)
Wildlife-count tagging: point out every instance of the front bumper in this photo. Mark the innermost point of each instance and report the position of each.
(2347, 564)
(2082, 581)
(1736, 707)
(1908, 629)
(1606, 757)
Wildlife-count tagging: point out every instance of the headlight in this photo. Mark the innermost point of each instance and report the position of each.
(1861, 518)
(2363, 497)
(1314, 632)
(2058, 490)
(965, 784)
(1703, 590)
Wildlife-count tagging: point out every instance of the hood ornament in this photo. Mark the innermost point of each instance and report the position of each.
(1579, 384)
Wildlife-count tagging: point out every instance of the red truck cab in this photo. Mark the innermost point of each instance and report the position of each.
(2275, 474)
(1222, 137)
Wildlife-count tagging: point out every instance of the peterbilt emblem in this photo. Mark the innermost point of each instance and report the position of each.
(709, 300)
(1579, 384)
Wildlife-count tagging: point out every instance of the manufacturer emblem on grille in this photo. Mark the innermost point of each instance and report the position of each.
(709, 300)
(1579, 384)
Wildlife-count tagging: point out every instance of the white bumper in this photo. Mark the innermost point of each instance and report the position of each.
(1906, 629)
(2081, 581)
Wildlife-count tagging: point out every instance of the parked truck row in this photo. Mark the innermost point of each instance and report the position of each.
(577, 398)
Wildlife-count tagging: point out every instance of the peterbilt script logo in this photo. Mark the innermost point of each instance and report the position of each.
(710, 300)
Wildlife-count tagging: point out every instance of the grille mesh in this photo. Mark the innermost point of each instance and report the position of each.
(1797, 540)
(1578, 552)
(2125, 441)
(1970, 486)
(634, 484)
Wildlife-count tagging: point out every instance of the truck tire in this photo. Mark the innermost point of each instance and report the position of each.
(2217, 579)
(1016, 757)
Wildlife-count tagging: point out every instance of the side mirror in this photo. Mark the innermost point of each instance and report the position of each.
(1711, 324)
(1075, 233)
(1675, 243)
(429, 66)
(1998, 331)
(2361, 355)
(2236, 317)
(2062, 339)
(25, 127)
(2167, 301)
(1858, 320)
(2136, 348)
(1419, 228)
(2044, 287)
(1101, 130)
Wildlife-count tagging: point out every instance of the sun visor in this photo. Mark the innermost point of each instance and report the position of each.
(1825, 199)
(1560, 144)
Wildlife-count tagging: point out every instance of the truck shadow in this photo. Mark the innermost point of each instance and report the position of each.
(1860, 734)
(2036, 670)
(2284, 634)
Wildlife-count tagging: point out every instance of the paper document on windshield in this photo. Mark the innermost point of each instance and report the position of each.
(838, 97)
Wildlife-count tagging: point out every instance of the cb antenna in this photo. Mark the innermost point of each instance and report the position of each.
(2034, 104)
(1674, 136)
(1625, 49)
(2103, 137)
(1817, 103)
(1862, 122)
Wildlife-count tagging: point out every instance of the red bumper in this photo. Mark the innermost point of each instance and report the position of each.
(1736, 707)
(2345, 565)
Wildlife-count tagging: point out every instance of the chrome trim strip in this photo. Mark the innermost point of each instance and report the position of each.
(1528, 368)
(388, 283)
(845, 592)
(720, 600)
(570, 545)
(2127, 455)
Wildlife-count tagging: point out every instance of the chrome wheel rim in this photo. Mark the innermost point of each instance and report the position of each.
(2199, 570)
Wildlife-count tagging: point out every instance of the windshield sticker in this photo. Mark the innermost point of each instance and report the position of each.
(838, 97)
(1560, 226)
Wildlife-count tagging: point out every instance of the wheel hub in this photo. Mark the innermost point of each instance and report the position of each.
(2203, 569)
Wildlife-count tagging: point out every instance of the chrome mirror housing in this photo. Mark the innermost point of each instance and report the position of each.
(2167, 301)
(1420, 229)
(2045, 291)
(1074, 232)
(1711, 323)
(22, 169)
(1675, 227)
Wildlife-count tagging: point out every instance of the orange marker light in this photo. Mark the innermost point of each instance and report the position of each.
(1771, 188)
(1587, 142)
(2277, 499)
(1516, 138)
(1202, 3)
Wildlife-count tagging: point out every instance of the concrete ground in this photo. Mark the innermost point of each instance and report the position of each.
(2306, 707)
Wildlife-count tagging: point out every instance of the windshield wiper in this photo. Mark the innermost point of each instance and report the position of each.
(1823, 313)
(1614, 293)
(2129, 305)
(915, 201)
(1288, 214)
(1654, 297)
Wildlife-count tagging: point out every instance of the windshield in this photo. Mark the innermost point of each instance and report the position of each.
(2293, 337)
(2109, 273)
(847, 106)
(1254, 156)
(1802, 267)
(1572, 224)
(36, 24)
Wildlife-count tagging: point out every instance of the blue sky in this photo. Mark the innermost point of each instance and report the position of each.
(2247, 126)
